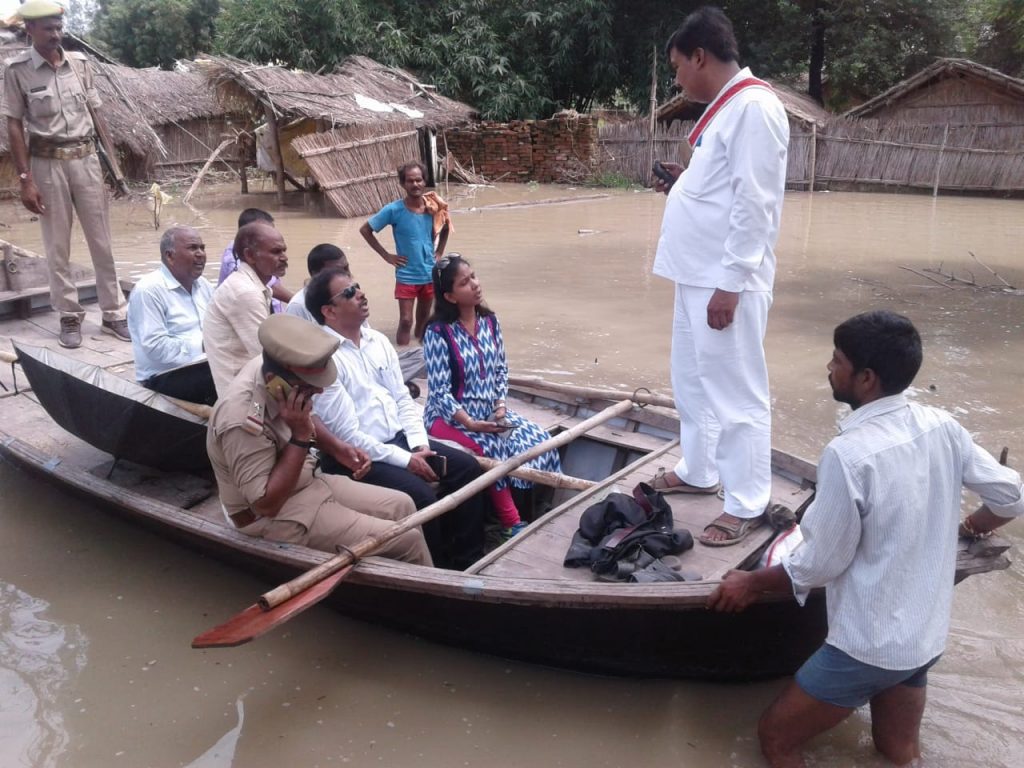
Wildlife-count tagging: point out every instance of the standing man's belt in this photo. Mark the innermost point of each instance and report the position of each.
(53, 151)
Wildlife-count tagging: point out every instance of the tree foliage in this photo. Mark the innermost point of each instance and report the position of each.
(305, 34)
(145, 33)
(528, 58)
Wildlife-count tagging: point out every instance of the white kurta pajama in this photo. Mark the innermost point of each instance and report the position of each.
(720, 225)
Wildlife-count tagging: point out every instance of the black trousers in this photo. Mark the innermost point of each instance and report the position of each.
(193, 383)
(456, 538)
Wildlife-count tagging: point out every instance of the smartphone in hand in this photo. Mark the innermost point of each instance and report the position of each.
(279, 388)
(437, 463)
(663, 173)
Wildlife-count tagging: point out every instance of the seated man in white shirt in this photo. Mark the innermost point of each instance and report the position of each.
(369, 407)
(242, 302)
(881, 537)
(321, 257)
(327, 256)
(165, 317)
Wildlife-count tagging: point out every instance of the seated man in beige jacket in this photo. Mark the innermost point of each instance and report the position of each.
(259, 441)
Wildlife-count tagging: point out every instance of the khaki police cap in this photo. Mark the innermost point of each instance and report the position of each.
(301, 347)
(40, 9)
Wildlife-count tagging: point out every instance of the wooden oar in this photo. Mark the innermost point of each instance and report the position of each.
(539, 476)
(280, 604)
(592, 393)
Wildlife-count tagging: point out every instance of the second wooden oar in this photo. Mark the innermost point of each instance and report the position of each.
(282, 603)
(539, 476)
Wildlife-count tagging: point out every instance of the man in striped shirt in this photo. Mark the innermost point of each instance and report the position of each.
(881, 537)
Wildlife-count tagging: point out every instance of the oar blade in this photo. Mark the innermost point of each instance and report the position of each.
(255, 622)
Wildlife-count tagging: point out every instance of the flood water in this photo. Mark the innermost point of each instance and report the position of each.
(96, 614)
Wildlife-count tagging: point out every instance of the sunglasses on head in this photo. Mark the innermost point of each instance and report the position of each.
(346, 293)
(442, 264)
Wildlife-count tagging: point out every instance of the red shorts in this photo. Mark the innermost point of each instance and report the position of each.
(423, 292)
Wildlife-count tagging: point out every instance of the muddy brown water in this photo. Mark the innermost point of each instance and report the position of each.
(96, 615)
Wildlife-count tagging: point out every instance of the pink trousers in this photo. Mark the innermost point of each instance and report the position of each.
(505, 508)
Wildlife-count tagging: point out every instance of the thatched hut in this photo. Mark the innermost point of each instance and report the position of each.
(183, 108)
(378, 116)
(803, 111)
(957, 93)
(136, 141)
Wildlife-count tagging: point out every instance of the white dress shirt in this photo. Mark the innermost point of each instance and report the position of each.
(166, 322)
(369, 403)
(722, 215)
(881, 535)
(297, 306)
(232, 323)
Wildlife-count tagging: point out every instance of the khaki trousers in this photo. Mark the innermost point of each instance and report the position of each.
(356, 512)
(77, 184)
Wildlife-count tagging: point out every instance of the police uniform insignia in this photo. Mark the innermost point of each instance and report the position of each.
(253, 423)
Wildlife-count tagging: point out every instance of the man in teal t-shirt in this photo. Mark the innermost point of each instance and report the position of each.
(413, 229)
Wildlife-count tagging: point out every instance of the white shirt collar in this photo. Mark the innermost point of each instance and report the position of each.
(875, 408)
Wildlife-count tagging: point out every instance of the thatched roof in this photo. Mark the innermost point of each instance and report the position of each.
(123, 114)
(361, 91)
(799, 106)
(942, 69)
(164, 97)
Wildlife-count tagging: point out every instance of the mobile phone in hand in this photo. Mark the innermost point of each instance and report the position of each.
(663, 173)
(437, 463)
(278, 388)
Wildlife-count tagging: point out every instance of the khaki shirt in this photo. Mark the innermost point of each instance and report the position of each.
(51, 101)
(231, 327)
(245, 437)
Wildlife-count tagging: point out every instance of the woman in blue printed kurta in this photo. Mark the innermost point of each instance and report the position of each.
(467, 380)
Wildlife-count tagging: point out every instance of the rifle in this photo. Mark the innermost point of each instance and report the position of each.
(108, 156)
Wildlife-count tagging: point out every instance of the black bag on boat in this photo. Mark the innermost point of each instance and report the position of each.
(622, 533)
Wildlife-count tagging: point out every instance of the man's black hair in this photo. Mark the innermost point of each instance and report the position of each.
(318, 292)
(246, 237)
(885, 342)
(322, 255)
(404, 168)
(708, 28)
(249, 215)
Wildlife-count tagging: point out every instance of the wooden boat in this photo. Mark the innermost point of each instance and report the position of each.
(518, 601)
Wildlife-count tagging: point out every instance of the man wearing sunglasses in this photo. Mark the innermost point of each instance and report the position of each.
(369, 407)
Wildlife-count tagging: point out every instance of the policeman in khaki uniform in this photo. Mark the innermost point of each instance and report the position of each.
(259, 441)
(48, 92)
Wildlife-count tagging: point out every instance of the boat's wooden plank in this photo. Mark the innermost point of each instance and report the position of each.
(584, 496)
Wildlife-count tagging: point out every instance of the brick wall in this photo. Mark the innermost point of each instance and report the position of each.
(563, 148)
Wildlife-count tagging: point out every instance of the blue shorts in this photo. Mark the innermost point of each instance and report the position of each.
(837, 678)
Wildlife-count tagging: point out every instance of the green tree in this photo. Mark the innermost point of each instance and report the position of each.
(305, 34)
(143, 33)
(1001, 37)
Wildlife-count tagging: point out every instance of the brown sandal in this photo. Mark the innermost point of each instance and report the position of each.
(660, 484)
(734, 532)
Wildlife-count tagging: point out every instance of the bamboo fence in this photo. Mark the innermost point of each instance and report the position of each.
(356, 166)
(625, 149)
(849, 153)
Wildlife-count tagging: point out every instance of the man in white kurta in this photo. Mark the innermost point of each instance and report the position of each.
(720, 225)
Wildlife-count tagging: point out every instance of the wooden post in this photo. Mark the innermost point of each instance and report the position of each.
(814, 156)
(8, 264)
(276, 145)
(243, 176)
(654, 106)
(938, 161)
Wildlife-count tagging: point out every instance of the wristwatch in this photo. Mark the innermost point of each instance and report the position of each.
(304, 444)
(23, 176)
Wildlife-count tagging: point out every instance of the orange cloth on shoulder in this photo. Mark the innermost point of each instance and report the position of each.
(438, 208)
